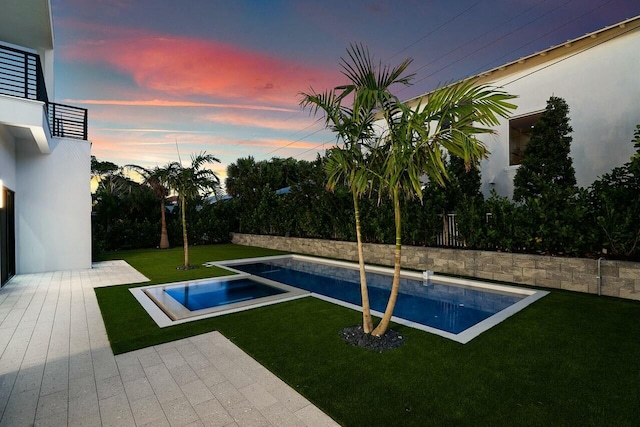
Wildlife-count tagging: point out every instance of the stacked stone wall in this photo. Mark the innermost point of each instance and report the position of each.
(619, 278)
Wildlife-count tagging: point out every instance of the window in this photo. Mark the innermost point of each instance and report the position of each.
(519, 135)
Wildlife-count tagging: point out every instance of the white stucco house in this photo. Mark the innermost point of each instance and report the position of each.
(598, 75)
(45, 158)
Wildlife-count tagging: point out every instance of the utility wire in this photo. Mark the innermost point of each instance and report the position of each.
(569, 56)
(293, 142)
(497, 40)
(465, 44)
(481, 36)
(433, 31)
(439, 27)
(484, 67)
(393, 56)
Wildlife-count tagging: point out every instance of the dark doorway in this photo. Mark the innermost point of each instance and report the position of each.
(7, 236)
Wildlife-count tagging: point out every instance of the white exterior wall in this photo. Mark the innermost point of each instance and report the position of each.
(53, 207)
(46, 61)
(601, 87)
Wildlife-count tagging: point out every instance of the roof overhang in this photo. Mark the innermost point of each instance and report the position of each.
(27, 23)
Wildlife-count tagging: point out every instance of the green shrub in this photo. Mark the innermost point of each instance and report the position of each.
(615, 206)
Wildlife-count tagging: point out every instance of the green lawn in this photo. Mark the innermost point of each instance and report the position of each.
(569, 359)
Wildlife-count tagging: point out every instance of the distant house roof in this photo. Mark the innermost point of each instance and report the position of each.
(213, 199)
(284, 190)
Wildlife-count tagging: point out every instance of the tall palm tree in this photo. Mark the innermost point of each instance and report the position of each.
(190, 183)
(157, 180)
(354, 127)
(414, 144)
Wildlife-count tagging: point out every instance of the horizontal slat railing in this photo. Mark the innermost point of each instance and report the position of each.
(21, 76)
(67, 121)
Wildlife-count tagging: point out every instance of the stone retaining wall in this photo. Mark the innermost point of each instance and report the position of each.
(619, 278)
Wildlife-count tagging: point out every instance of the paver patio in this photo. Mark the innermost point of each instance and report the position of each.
(57, 368)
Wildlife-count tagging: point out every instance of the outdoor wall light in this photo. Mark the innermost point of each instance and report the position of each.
(1, 194)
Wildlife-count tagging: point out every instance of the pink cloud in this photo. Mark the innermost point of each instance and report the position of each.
(165, 103)
(251, 120)
(182, 66)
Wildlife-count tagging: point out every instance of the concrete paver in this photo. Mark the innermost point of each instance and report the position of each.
(57, 368)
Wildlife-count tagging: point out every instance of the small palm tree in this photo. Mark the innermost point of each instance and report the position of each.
(157, 180)
(416, 140)
(190, 183)
(354, 127)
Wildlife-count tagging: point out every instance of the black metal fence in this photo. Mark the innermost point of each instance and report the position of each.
(67, 121)
(449, 235)
(21, 76)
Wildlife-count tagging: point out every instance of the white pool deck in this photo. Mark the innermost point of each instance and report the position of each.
(57, 368)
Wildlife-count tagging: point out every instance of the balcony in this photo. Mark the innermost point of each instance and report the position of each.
(21, 77)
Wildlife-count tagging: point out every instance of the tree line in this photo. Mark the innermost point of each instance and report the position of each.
(126, 213)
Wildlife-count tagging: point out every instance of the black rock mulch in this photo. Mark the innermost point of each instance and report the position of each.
(355, 336)
(191, 267)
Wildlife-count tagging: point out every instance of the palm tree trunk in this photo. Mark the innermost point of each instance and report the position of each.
(395, 286)
(164, 237)
(184, 232)
(367, 323)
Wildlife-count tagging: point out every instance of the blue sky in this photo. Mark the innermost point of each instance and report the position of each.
(224, 76)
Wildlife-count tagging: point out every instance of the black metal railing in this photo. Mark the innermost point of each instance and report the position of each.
(21, 76)
(67, 121)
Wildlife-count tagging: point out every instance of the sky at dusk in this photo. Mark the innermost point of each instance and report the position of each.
(224, 76)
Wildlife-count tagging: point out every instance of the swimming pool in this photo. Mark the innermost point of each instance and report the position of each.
(180, 302)
(454, 308)
(443, 306)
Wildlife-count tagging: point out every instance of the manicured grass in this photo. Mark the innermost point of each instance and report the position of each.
(568, 359)
(160, 265)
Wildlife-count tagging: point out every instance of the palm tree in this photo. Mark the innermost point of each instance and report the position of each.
(190, 183)
(414, 144)
(156, 179)
(369, 86)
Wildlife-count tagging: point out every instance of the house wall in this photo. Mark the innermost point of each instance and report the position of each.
(618, 278)
(53, 207)
(602, 89)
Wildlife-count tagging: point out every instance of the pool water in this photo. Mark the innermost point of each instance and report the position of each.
(442, 306)
(206, 295)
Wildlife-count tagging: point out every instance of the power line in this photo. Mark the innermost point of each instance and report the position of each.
(542, 36)
(569, 56)
(317, 146)
(495, 41)
(248, 140)
(293, 142)
(480, 36)
(433, 31)
(438, 28)
(483, 47)
(393, 56)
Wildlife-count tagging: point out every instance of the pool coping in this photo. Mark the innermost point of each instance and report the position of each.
(160, 307)
(163, 320)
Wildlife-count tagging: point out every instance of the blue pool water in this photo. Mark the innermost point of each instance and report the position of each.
(446, 307)
(207, 295)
